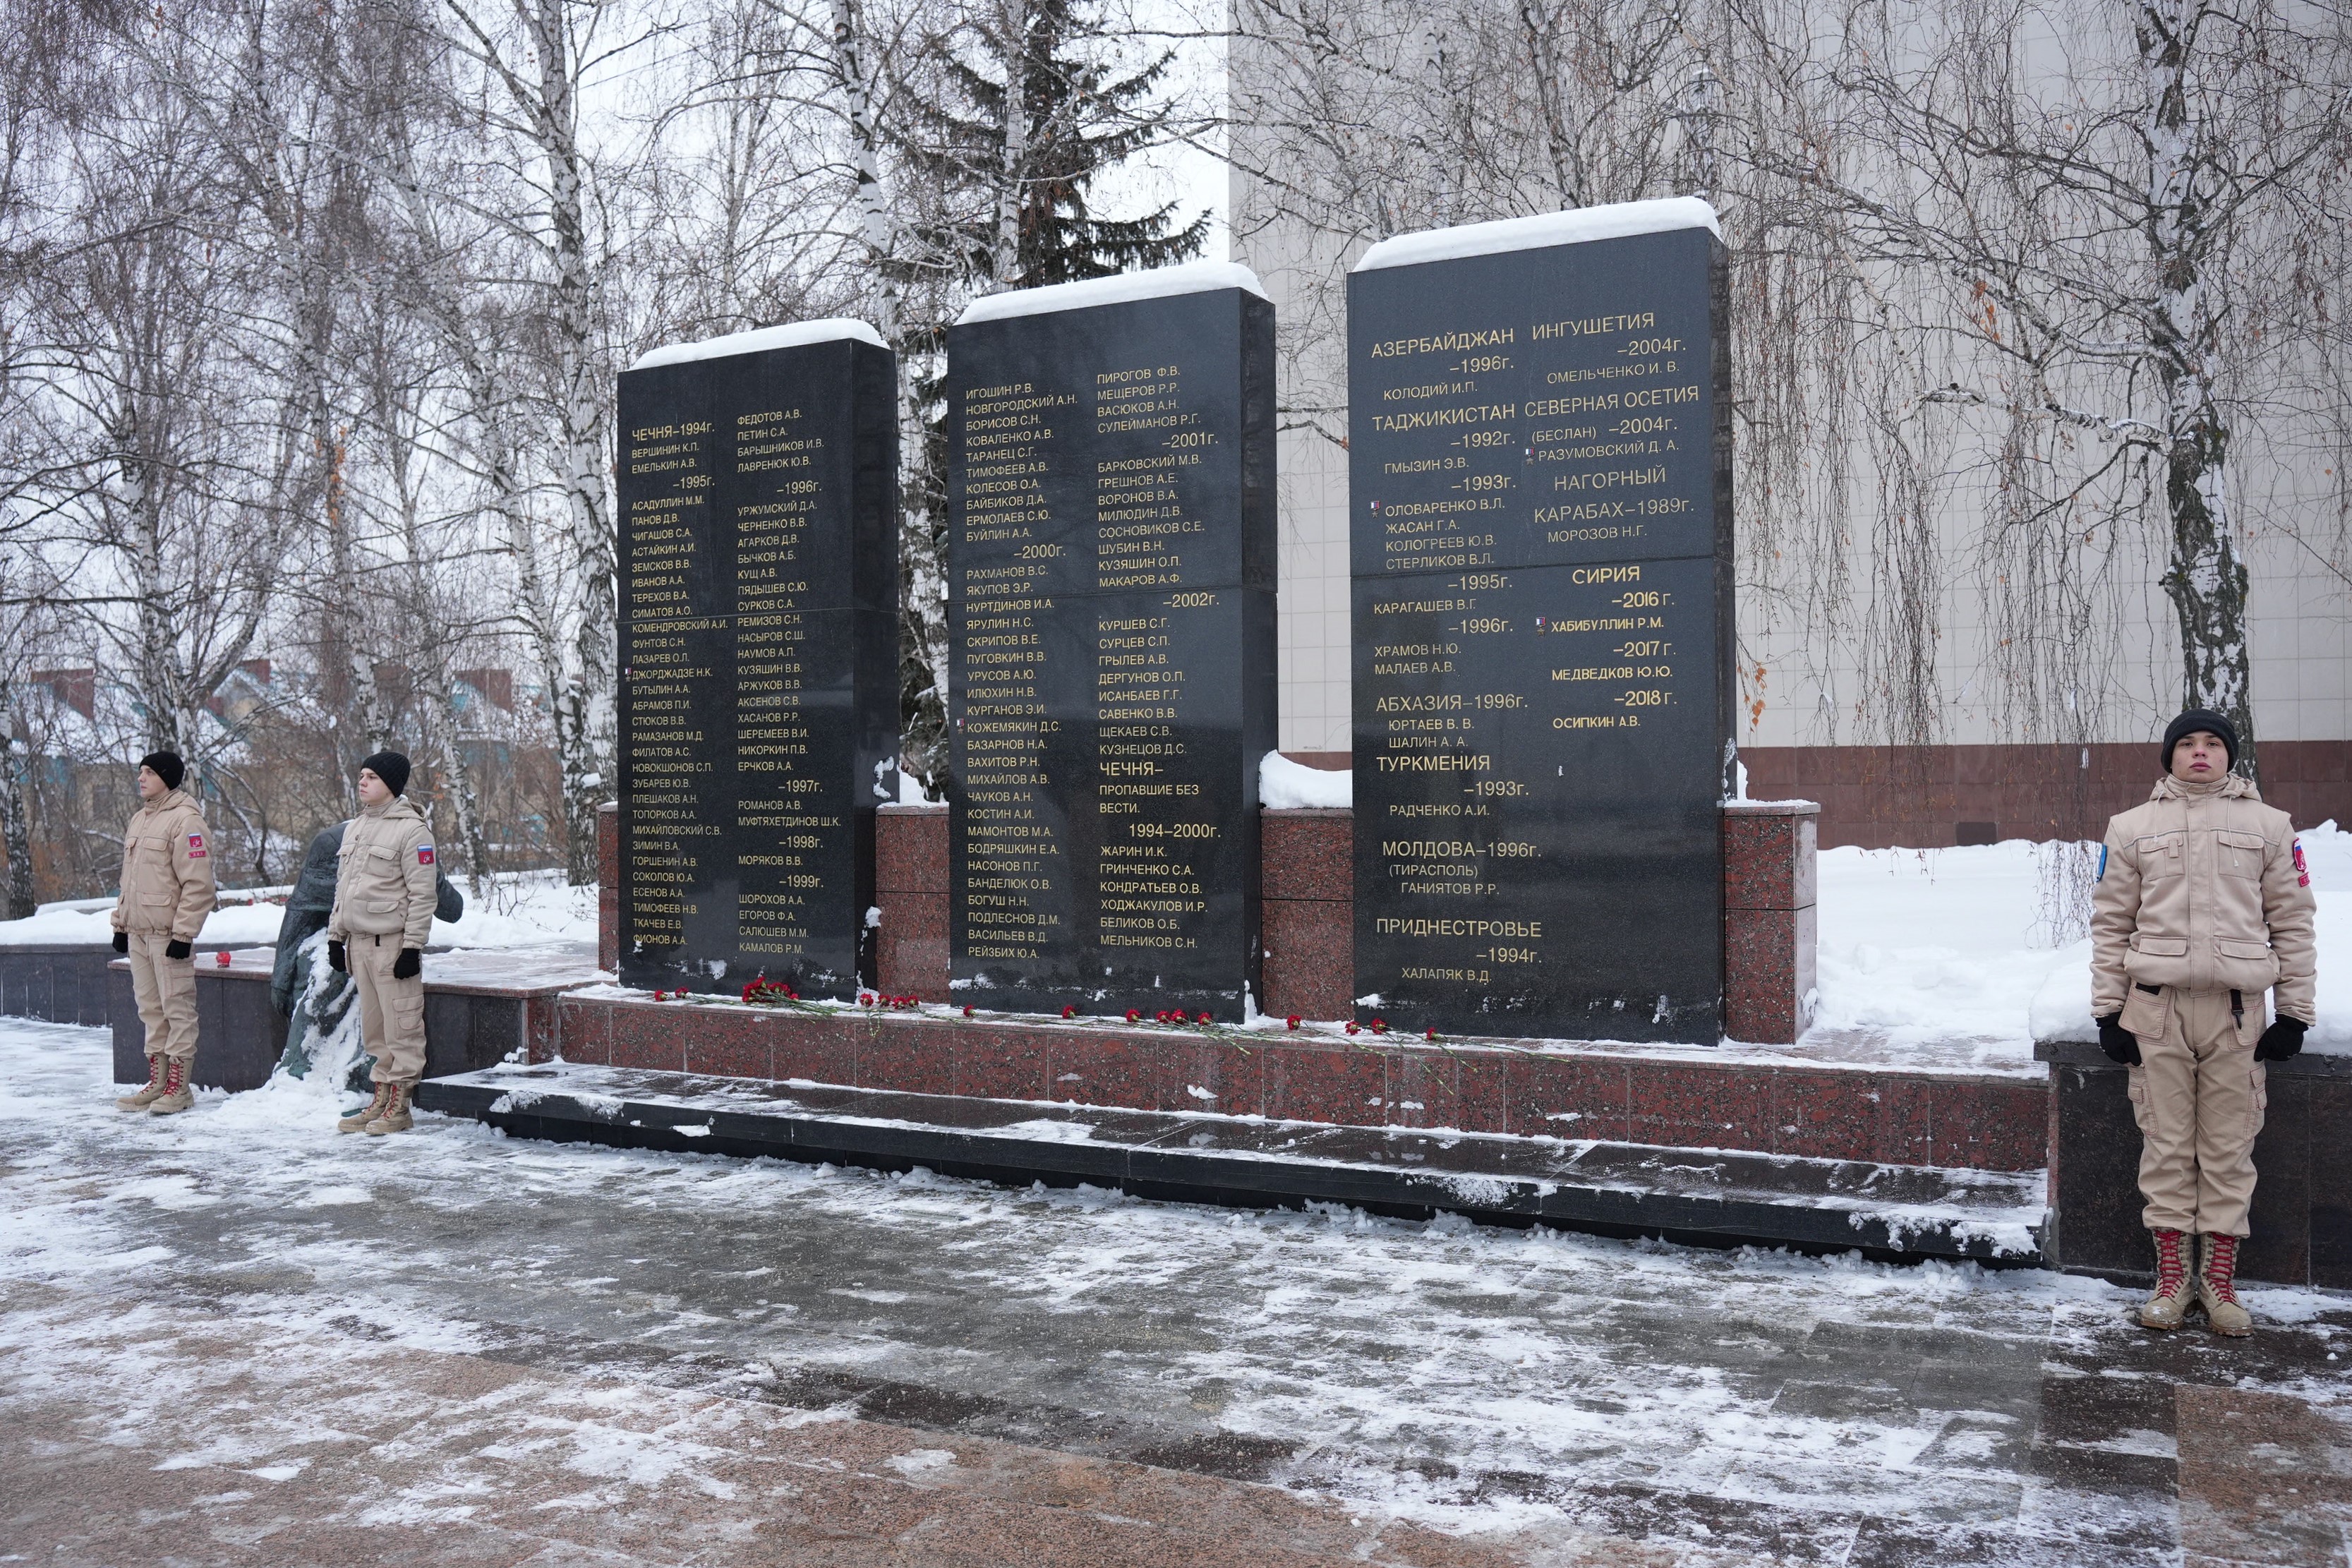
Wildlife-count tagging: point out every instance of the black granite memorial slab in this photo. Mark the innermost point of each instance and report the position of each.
(1540, 405)
(1540, 549)
(759, 701)
(1112, 643)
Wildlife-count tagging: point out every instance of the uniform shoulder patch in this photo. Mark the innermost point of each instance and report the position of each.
(424, 854)
(196, 846)
(2302, 871)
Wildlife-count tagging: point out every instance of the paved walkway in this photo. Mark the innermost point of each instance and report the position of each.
(232, 1337)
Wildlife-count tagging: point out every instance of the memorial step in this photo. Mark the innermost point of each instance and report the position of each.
(1703, 1195)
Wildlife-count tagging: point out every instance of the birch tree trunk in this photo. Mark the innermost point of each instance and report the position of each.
(2206, 579)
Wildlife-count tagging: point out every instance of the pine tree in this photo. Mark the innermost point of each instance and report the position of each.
(1028, 104)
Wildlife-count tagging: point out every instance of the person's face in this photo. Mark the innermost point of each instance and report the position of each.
(2200, 757)
(150, 786)
(374, 791)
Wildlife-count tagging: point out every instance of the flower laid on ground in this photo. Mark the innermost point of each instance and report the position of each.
(1069, 1011)
(1354, 1028)
(1135, 1015)
(766, 992)
(1430, 1035)
(967, 1009)
(1379, 1026)
(1203, 1018)
(1292, 1021)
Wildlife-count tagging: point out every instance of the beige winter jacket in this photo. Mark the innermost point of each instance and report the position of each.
(385, 876)
(167, 870)
(2203, 888)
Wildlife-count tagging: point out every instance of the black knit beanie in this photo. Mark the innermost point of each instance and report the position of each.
(391, 768)
(166, 765)
(2198, 718)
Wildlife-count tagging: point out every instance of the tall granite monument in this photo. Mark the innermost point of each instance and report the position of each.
(1111, 611)
(1540, 535)
(759, 722)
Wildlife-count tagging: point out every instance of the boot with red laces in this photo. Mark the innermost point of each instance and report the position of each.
(176, 1095)
(2169, 1305)
(153, 1092)
(2217, 1288)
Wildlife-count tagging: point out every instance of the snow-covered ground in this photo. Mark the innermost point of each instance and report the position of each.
(1935, 946)
(1498, 1385)
(519, 908)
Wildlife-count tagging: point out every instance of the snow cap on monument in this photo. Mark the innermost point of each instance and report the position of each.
(1158, 283)
(791, 335)
(1616, 220)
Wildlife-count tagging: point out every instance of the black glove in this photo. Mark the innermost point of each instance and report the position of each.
(175, 948)
(2283, 1039)
(408, 965)
(122, 941)
(2120, 1044)
(335, 959)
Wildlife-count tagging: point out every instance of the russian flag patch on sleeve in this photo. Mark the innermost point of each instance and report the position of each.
(424, 854)
(2302, 871)
(196, 846)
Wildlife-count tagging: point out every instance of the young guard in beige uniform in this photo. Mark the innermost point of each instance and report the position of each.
(2203, 906)
(167, 893)
(384, 895)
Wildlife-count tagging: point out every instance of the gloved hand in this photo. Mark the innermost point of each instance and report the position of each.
(409, 963)
(336, 960)
(175, 948)
(2283, 1039)
(2120, 1044)
(122, 941)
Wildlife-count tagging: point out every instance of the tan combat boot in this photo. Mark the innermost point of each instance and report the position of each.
(2169, 1305)
(176, 1095)
(153, 1092)
(358, 1119)
(394, 1116)
(2217, 1288)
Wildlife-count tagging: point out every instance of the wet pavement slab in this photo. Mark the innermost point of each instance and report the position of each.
(234, 1336)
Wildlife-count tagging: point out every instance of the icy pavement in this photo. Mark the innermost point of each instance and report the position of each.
(234, 1336)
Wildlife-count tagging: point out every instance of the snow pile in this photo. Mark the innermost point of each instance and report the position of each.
(518, 909)
(1158, 283)
(1931, 945)
(1613, 220)
(2061, 1009)
(1286, 786)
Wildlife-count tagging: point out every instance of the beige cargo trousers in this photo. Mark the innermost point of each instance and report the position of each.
(391, 1010)
(165, 989)
(2199, 1096)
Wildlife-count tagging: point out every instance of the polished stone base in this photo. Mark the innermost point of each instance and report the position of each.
(62, 982)
(1687, 1097)
(480, 1008)
(2302, 1218)
(1694, 1195)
